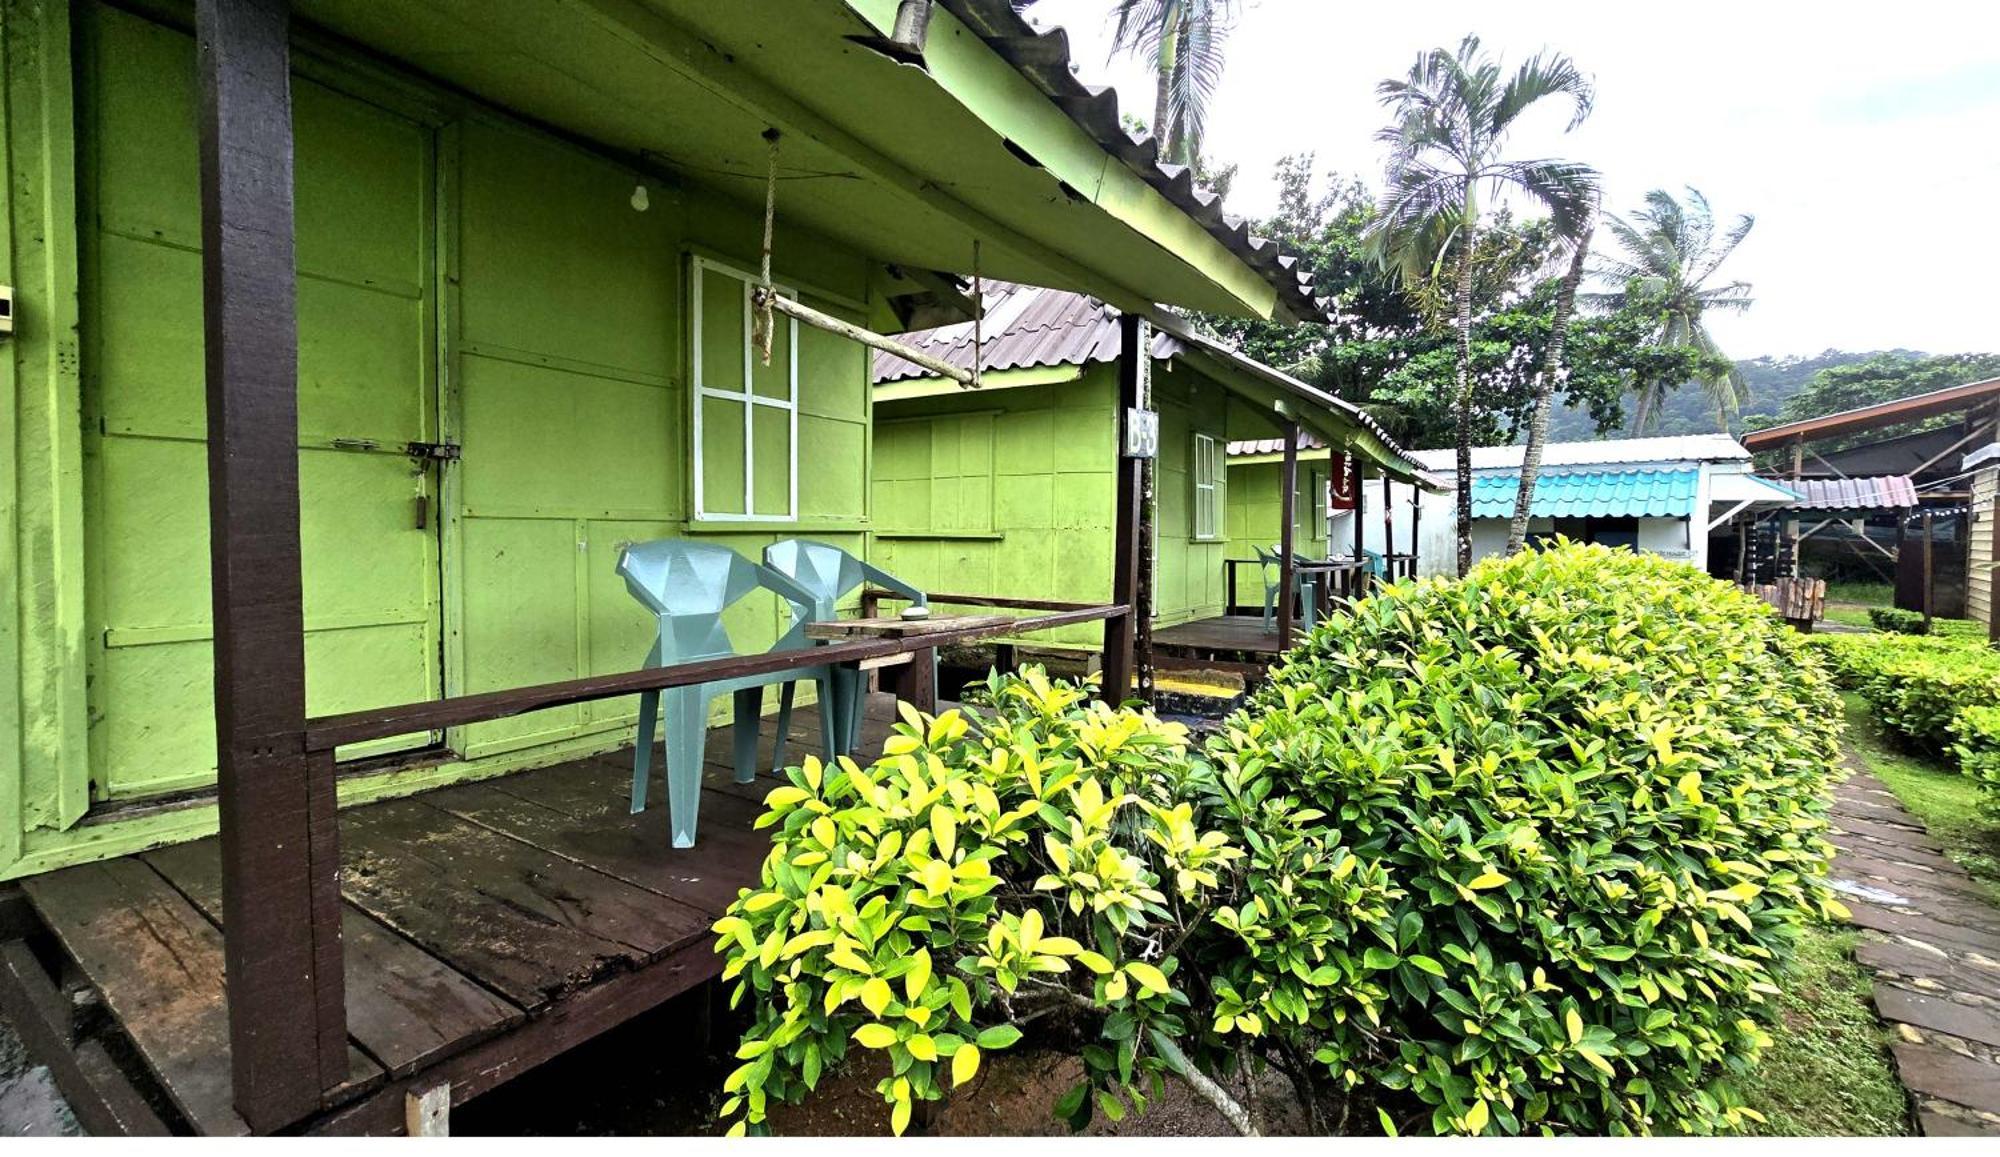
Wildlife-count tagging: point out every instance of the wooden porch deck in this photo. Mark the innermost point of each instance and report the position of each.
(487, 928)
(1220, 637)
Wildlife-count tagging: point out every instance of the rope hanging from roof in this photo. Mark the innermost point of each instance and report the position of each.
(765, 301)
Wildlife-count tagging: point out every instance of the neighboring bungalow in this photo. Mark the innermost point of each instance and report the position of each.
(1328, 526)
(350, 341)
(1981, 470)
(1675, 496)
(1008, 488)
(1880, 499)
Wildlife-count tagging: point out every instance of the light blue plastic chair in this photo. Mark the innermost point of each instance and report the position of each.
(688, 585)
(828, 574)
(1271, 566)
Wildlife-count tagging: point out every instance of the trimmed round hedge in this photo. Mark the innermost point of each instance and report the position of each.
(1525, 849)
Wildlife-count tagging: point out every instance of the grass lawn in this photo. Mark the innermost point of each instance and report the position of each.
(1946, 802)
(1849, 614)
(1827, 1072)
(1867, 594)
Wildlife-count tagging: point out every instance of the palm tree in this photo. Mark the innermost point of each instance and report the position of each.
(1452, 116)
(1184, 40)
(1552, 372)
(1671, 251)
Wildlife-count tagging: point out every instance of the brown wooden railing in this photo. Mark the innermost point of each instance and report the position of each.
(327, 732)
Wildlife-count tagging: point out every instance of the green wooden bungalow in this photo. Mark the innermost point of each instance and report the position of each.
(347, 343)
(1008, 488)
(1345, 507)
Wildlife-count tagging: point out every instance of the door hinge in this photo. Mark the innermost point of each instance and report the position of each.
(433, 451)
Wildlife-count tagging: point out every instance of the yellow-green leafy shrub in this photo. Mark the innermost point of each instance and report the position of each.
(1037, 859)
(1916, 684)
(1525, 850)
(1976, 736)
(1900, 621)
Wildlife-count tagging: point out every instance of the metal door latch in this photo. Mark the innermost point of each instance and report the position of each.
(433, 451)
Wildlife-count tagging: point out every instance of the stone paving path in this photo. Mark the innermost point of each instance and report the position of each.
(1933, 942)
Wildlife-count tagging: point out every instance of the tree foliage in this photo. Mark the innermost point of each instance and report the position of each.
(1184, 42)
(1671, 252)
(1391, 351)
(1885, 378)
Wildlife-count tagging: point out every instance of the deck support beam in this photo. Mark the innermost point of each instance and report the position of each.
(1356, 484)
(1388, 530)
(1288, 515)
(1120, 632)
(280, 847)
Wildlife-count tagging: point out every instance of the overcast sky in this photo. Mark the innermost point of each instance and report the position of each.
(1867, 143)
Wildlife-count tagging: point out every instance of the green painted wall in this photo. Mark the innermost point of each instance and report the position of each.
(1012, 492)
(462, 277)
(1256, 514)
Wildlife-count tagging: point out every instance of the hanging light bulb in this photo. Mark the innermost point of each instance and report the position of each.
(641, 200)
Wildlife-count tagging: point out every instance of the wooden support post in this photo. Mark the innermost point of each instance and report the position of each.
(1388, 530)
(1118, 631)
(1993, 577)
(1288, 490)
(1354, 486)
(1146, 603)
(1416, 525)
(1928, 594)
(1792, 524)
(428, 1113)
(915, 682)
(280, 847)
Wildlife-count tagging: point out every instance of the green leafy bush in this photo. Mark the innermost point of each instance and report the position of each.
(1526, 850)
(1854, 659)
(1915, 684)
(1976, 735)
(1039, 859)
(1900, 621)
(1916, 696)
(1962, 630)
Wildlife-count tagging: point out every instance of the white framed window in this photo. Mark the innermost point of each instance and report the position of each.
(746, 414)
(1206, 473)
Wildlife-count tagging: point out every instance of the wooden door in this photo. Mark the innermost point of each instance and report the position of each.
(367, 390)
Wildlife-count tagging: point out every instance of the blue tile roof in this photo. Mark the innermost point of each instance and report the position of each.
(1581, 493)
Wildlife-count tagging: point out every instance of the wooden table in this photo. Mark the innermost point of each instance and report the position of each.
(911, 676)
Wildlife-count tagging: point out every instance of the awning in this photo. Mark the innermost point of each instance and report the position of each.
(1884, 492)
(1586, 493)
(1736, 488)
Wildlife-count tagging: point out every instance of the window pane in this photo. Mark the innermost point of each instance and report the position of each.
(722, 336)
(772, 429)
(775, 380)
(721, 456)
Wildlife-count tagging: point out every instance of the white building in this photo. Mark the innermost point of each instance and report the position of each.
(1667, 496)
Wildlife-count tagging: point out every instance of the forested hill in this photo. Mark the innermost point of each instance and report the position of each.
(1770, 380)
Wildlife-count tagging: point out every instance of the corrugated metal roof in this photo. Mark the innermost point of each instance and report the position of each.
(1614, 451)
(1271, 445)
(1884, 492)
(1026, 326)
(1580, 493)
(1949, 400)
(1043, 57)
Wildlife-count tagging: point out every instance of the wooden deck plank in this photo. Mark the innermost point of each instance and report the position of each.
(1243, 633)
(570, 814)
(520, 920)
(405, 1007)
(158, 964)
